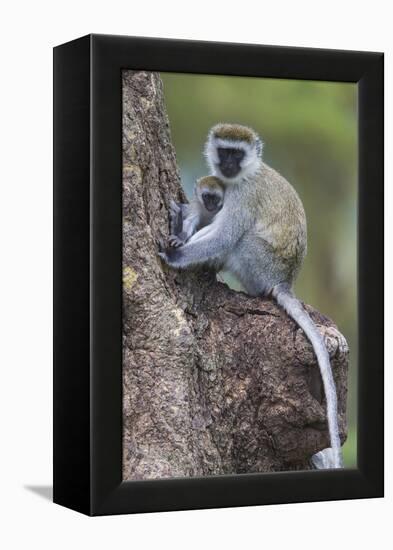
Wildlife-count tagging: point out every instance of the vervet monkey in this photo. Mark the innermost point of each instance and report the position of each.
(260, 236)
(186, 219)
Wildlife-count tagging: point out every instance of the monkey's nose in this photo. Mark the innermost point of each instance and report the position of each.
(229, 169)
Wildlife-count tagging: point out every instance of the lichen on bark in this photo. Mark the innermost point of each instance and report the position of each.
(214, 381)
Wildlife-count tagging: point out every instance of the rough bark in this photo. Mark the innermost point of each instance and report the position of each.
(215, 382)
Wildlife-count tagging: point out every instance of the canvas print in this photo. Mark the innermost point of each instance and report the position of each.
(239, 319)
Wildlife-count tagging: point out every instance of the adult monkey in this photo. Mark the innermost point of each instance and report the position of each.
(260, 236)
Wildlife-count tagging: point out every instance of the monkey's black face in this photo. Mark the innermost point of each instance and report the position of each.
(212, 201)
(229, 161)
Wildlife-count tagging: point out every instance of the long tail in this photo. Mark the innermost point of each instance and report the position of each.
(286, 299)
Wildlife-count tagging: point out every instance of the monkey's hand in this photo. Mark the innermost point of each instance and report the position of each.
(209, 244)
(168, 254)
(175, 241)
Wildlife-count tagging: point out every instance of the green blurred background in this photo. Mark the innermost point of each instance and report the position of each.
(310, 134)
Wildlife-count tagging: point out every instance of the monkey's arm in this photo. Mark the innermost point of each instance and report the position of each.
(190, 226)
(208, 244)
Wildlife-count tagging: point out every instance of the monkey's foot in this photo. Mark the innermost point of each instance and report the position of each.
(334, 341)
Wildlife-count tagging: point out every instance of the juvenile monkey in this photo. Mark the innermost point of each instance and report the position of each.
(260, 236)
(186, 219)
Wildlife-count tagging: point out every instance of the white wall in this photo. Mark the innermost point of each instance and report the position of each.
(28, 32)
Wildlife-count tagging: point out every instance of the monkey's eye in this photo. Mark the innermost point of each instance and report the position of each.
(230, 153)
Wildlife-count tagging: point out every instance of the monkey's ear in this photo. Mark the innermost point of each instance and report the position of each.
(259, 146)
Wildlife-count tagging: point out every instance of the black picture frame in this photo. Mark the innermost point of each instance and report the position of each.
(88, 287)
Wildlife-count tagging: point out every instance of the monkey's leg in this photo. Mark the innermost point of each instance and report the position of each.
(176, 236)
(201, 234)
(175, 218)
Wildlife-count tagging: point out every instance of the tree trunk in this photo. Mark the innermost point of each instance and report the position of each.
(215, 382)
